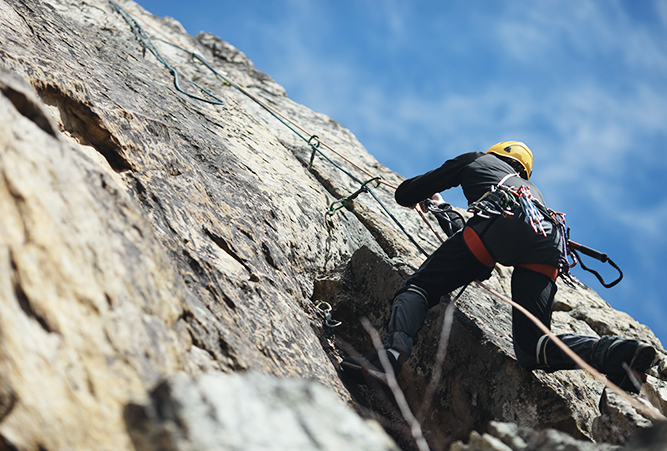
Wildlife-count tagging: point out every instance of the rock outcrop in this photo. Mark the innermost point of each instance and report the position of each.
(151, 241)
(250, 412)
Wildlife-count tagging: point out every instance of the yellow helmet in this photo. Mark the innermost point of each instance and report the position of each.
(515, 150)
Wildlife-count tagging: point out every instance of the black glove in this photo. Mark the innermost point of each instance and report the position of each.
(449, 219)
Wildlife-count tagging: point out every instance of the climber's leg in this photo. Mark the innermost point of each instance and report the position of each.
(610, 355)
(451, 266)
(535, 292)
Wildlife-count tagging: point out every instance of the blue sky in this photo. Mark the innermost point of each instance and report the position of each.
(582, 82)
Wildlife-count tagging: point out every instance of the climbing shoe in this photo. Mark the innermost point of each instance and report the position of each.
(626, 381)
(610, 354)
(360, 370)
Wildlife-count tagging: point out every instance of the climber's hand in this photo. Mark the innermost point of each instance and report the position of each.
(435, 199)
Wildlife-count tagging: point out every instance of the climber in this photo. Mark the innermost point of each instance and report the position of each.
(501, 231)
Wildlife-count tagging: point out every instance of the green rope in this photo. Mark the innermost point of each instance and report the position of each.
(148, 44)
(312, 141)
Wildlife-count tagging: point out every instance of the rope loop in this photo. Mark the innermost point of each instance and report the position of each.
(604, 259)
(147, 43)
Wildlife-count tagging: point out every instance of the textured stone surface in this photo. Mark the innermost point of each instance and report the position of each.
(249, 411)
(618, 420)
(144, 233)
(509, 437)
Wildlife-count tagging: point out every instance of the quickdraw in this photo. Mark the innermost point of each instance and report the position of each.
(314, 142)
(325, 309)
(528, 205)
(344, 201)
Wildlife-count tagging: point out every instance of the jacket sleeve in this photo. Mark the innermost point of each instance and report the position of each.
(423, 186)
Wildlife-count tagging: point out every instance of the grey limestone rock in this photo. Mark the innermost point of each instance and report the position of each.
(249, 411)
(144, 233)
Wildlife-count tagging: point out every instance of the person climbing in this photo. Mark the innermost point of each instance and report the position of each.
(504, 229)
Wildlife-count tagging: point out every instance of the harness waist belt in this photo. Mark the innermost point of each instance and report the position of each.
(474, 243)
(548, 270)
(477, 248)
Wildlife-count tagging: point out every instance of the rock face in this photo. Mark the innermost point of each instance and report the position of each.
(146, 234)
(249, 412)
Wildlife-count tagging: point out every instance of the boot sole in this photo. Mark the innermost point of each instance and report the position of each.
(643, 358)
(641, 361)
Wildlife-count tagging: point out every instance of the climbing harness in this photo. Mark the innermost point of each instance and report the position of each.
(502, 200)
(343, 201)
(325, 309)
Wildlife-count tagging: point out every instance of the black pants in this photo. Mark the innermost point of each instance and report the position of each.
(453, 265)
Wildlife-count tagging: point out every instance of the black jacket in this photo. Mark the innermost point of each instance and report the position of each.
(476, 172)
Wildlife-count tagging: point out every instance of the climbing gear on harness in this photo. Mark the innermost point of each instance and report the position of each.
(499, 200)
(515, 150)
(502, 200)
(528, 205)
(325, 308)
(558, 220)
(574, 248)
(346, 200)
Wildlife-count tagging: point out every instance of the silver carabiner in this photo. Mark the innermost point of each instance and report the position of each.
(325, 308)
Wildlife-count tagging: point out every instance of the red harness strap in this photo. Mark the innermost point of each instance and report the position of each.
(477, 248)
(548, 270)
(480, 252)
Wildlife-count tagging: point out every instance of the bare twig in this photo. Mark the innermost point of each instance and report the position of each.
(403, 406)
(445, 332)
